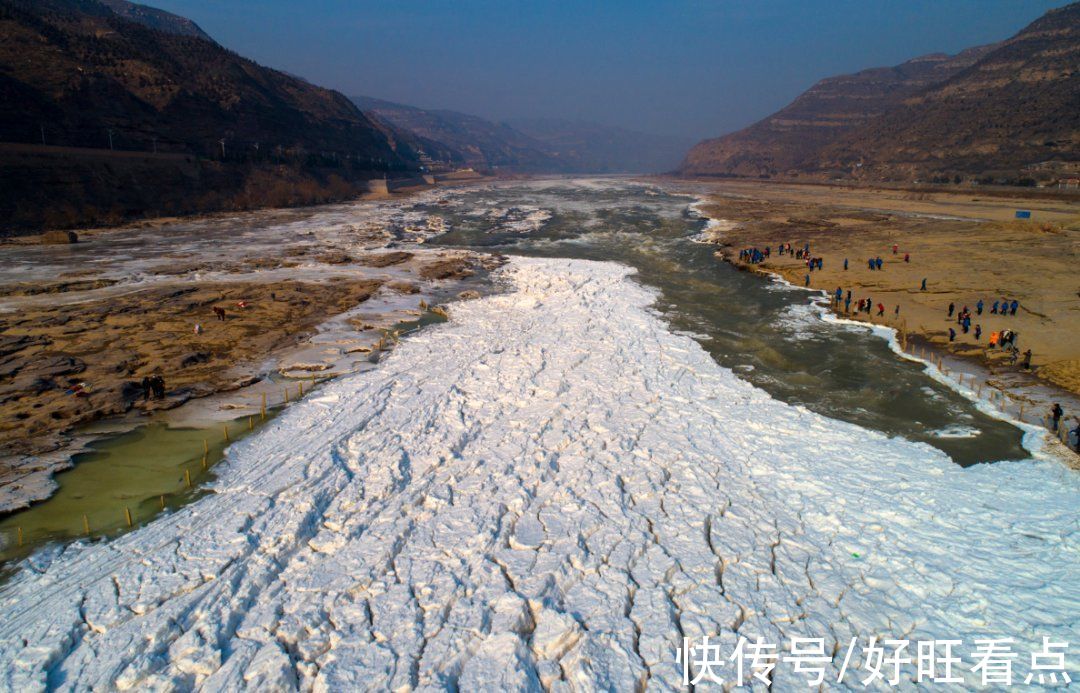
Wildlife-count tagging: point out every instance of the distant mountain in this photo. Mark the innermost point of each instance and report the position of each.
(995, 109)
(586, 146)
(532, 145)
(155, 18)
(107, 74)
(475, 142)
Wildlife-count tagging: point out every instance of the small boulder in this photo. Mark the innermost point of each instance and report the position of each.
(194, 359)
(59, 237)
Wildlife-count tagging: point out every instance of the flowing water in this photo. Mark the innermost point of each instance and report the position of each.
(768, 333)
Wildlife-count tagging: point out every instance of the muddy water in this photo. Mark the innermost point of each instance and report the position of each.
(143, 472)
(765, 332)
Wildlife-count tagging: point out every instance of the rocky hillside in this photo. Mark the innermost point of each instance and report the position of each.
(155, 18)
(530, 145)
(110, 76)
(78, 69)
(995, 110)
(1014, 113)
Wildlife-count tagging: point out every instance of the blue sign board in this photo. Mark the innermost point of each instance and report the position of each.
(1023, 214)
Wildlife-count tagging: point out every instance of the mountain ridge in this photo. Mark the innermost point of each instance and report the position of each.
(533, 145)
(157, 19)
(919, 119)
(77, 76)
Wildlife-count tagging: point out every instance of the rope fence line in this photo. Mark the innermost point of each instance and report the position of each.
(997, 395)
(126, 518)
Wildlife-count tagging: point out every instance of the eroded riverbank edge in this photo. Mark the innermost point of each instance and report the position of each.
(1011, 395)
(328, 309)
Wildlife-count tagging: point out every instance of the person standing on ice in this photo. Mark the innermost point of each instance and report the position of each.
(895, 248)
(881, 309)
(923, 287)
(1012, 308)
(847, 302)
(845, 264)
(952, 335)
(978, 332)
(979, 307)
(952, 309)
(1026, 364)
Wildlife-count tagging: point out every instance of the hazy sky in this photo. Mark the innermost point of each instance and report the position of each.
(691, 67)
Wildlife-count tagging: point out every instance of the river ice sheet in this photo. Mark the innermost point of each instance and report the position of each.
(552, 489)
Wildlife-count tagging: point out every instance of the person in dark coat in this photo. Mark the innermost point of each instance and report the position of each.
(1055, 415)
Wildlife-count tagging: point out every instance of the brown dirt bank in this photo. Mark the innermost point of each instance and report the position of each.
(112, 344)
(963, 261)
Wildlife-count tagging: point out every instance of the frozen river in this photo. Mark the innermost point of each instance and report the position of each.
(571, 476)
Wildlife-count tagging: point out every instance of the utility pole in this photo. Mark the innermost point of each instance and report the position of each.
(222, 142)
(42, 134)
(154, 140)
(110, 131)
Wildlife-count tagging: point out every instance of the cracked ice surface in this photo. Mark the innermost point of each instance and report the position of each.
(550, 490)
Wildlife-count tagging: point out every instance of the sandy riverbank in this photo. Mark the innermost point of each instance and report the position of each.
(967, 248)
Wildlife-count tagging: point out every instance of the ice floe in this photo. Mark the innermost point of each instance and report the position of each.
(552, 489)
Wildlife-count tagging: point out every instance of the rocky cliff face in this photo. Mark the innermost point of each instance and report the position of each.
(1015, 109)
(91, 82)
(991, 107)
(77, 70)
